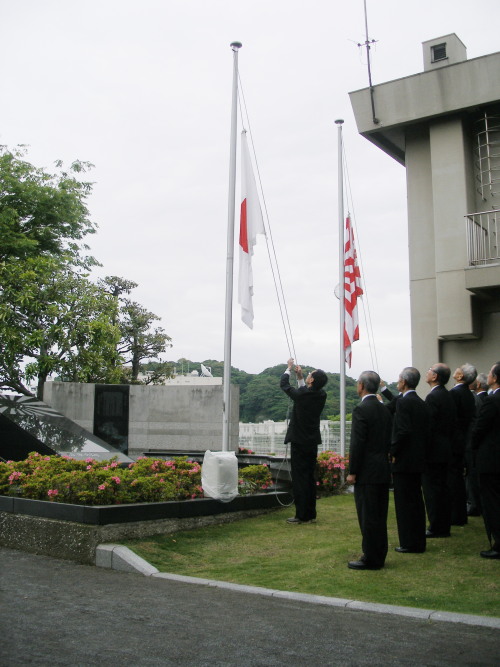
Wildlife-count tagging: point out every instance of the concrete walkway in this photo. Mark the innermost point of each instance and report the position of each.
(55, 612)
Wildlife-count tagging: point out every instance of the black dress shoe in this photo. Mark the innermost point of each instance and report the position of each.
(490, 554)
(402, 550)
(429, 533)
(361, 565)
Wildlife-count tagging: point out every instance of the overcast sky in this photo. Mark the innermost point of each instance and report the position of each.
(143, 91)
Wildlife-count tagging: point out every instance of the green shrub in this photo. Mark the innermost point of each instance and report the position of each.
(254, 479)
(331, 471)
(90, 482)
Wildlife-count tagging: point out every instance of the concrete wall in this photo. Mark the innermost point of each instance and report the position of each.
(78, 541)
(187, 418)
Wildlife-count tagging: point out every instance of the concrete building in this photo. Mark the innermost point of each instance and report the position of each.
(140, 418)
(443, 125)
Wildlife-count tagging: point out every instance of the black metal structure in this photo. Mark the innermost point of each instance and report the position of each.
(27, 425)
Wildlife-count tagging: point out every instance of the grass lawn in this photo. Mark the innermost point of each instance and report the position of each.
(312, 558)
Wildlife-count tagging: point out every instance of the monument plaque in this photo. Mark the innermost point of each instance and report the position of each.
(27, 425)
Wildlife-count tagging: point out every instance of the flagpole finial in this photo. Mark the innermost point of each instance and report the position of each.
(339, 121)
(236, 45)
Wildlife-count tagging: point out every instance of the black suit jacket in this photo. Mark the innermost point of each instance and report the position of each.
(465, 406)
(308, 405)
(393, 400)
(443, 424)
(410, 433)
(370, 442)
(486, 435)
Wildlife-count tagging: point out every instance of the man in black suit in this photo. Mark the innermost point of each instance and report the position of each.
(443, 427)
(304, 435)
(480, 388)
(486, 440)
(369, 471)
(465, 407)
(409, 443)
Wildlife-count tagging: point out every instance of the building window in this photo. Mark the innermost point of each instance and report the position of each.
(438, 52)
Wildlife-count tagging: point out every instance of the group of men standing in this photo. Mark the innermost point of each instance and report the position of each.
(423, 446)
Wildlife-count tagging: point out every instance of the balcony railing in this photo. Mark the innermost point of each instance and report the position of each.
(482, 238)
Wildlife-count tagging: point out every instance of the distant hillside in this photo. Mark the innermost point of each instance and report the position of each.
(260, 395)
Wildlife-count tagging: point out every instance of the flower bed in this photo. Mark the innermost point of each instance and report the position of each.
(331, 471)
(65, 480)
(254, 479)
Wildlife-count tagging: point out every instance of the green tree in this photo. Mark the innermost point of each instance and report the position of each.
(263, 399)
(54, 321)
(139, 340)
(156, 372)
(43, 213)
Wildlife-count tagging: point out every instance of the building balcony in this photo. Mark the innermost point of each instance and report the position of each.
(482, 275)
(482, 238)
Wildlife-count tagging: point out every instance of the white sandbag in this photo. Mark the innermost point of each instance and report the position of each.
(219, 475)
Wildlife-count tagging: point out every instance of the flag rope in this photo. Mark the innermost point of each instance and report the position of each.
(365, 302)
(271, 250)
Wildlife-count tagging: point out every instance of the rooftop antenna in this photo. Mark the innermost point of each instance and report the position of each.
(367, 45)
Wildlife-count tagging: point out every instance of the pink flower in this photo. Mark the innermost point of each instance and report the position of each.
(52, 492)
(101, 487)
(15, 475)
(117, 480)
(114, 465)
(89, 460)
(89, 467)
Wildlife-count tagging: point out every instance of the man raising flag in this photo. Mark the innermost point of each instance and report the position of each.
(352, 289)
(251, 224)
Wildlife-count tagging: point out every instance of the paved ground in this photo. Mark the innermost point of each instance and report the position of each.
(55, 612)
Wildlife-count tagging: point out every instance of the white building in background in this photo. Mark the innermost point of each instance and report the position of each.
(268, 437)
(194, 378)
(443, 125)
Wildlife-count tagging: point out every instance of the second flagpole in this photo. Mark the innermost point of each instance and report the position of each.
(339, 124)
(226, 400)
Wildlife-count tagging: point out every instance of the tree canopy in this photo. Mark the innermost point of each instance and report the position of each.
(53, 319)
(139, 341)
(43, 213)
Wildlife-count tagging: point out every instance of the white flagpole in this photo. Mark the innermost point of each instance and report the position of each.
(226, 400)
(339, 124)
